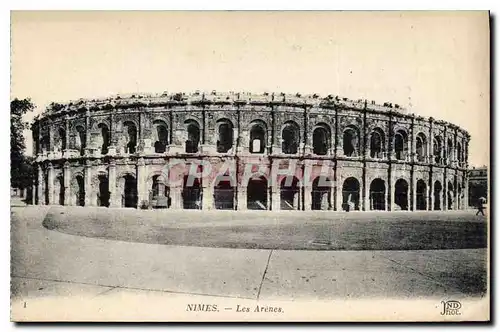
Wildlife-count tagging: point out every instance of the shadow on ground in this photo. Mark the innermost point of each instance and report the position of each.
(288, 231)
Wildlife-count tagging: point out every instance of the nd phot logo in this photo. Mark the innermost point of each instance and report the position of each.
(451, 308)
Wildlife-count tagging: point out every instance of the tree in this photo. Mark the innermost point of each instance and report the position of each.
(21, 170)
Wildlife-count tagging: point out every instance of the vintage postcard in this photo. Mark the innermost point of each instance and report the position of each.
(250, 166)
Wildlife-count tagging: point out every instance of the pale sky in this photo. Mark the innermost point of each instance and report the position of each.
(437, 64)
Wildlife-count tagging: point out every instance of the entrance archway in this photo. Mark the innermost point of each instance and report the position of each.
(80, 191)
(321, 193)
(437, 195)
(421, 195)
(377, 195)
(289, 193)
(191, 193)
(129, 197)
(350, 194)
(60, 189)
(223, 194)
(103, 194)
(450, 196)
(401, 194)
(257, 194)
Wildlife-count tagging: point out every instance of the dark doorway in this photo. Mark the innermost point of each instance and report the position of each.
(224, 195)
(46, 190)
(191, 193)
(350, 194)
(421, 195)
(80, 195)
(401, 194)
(321, 194)
(437, 195)
(377, 195)
(130, 192)
(257, 194)
(103, 195)
(289, 193)
(60, 184)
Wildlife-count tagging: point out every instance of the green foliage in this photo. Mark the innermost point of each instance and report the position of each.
(21, 170)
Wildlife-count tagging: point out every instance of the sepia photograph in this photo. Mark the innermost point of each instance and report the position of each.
(250, 166)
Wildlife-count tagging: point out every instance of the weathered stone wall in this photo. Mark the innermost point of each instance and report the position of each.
(103, 151)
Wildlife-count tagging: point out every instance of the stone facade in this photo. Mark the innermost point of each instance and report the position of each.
(138, 151)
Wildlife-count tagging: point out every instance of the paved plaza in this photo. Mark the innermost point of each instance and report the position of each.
(51, 263)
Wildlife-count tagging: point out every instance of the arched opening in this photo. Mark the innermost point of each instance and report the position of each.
(321, 140)
(289, 193)
(131, 131)
(401, 194)
(437, 147)
(377, 143)
(191, 193)
(46, 189)
(321, 193)
(62, 138)
(82, 139)
(225, 135)
(421, 147)
(450, 196)
(290, 137)
(377, 195)
(80, 194)
(350, 141)
(350, 194)
(61, 189)
(193, 136)
(460, 157)
(105, 138)
(103, 194)
(129, 196)
(437, 195)
(161, 136)
(421, 195)
(257, 137)
(401, 144)
(45, 143)
(224, 194)
(160, 193)
(450, 156)
(257, 194)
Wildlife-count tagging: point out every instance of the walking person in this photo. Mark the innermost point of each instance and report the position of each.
(480, 205)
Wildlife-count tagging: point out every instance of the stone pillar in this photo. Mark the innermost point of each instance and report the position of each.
(386, 201)
(67, 184)
(242, 199)
(338, 195)
(50, 170)
(114, 199)
(142, 194)
(393, 195)
(40, 191)
(276, 199)
(207, 197)
(307, 198)
(176, 197)
(88, 186)
(366, 204)
(413, 192)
